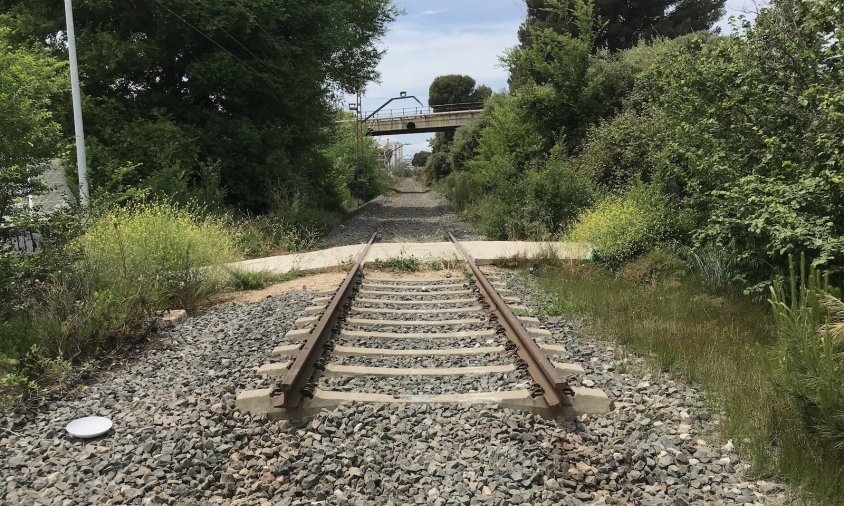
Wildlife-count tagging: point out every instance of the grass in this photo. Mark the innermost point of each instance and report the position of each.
(409, 263)
(243, 280)
(724, 342)
(401, 263)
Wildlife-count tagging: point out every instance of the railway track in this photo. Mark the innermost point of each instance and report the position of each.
(401, 339)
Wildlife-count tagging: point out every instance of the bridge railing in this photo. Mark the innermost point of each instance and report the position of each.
(415, 111)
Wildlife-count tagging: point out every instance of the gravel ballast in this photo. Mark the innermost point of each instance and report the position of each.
(178, 439)
(413, 213)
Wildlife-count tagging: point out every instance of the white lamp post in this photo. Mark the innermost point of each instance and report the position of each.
(81, 162)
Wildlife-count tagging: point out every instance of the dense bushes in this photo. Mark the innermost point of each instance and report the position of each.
(740, 135)
(621, 226)
(168, 253)
(91, 289)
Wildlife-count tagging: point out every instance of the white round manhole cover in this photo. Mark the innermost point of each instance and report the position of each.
(88, 427)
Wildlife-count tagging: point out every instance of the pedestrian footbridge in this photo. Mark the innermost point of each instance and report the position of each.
(422, 119)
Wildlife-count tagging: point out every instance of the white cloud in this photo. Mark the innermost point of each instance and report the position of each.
(415, 57)
(431, 13)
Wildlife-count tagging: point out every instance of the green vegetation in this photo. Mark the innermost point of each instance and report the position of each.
(622, 24)
(217, 102)
(456, 89)
(444, 91)
(622, 226)
(401, 263)
(738, 135)
(241, 280)
(169, 254)
(213, 134)
(31, 131)
(91, 293)
(809, 320)
(782, 397)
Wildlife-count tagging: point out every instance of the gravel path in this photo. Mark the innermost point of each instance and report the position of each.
(412, 214)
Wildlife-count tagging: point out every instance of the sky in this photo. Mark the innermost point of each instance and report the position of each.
(437, 37)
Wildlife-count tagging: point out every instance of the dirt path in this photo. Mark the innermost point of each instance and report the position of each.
(413, 213)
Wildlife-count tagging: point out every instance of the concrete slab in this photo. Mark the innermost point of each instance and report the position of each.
(591, 401)
(416, 295)
(297, 334)
(451, 310)
(410, 323)
(356, 370)
(518, 399)
(285, 350)
(537, 332)
(568, 369)
(413, 302)
(365, 334)
(274, 369)
(482, 251)
(390, 352)
(585, 401)
(306, 322)
(412, 282)
(412, 288)
(553, 349)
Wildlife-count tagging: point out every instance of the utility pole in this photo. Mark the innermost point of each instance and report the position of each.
(359, 137)
(81, 160)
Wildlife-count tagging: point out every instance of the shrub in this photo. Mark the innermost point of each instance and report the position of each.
(621, 151)
(168, 254)
(458, 188)
(623, 225)
(808, 314)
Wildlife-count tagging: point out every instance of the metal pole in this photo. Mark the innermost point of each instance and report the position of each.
(81, 163)
(359, 141)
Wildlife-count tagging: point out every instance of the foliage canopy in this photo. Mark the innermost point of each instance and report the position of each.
(206, 99)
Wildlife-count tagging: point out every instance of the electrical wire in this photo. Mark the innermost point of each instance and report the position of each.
(183, 20)
(232, 37)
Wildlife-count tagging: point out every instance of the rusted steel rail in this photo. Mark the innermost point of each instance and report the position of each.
(555, 390)
(294, 385)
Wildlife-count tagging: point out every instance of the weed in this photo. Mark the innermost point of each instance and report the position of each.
(565, 305)
(444, 264)
(401, 263)
(248, 280)
(242, 280)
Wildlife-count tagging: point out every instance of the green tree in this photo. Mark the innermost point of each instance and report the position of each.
(180, 92)
(354, 171)
(420, 158)
(31, 135)
(624, 23)
(456, 89)
(550, 75)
